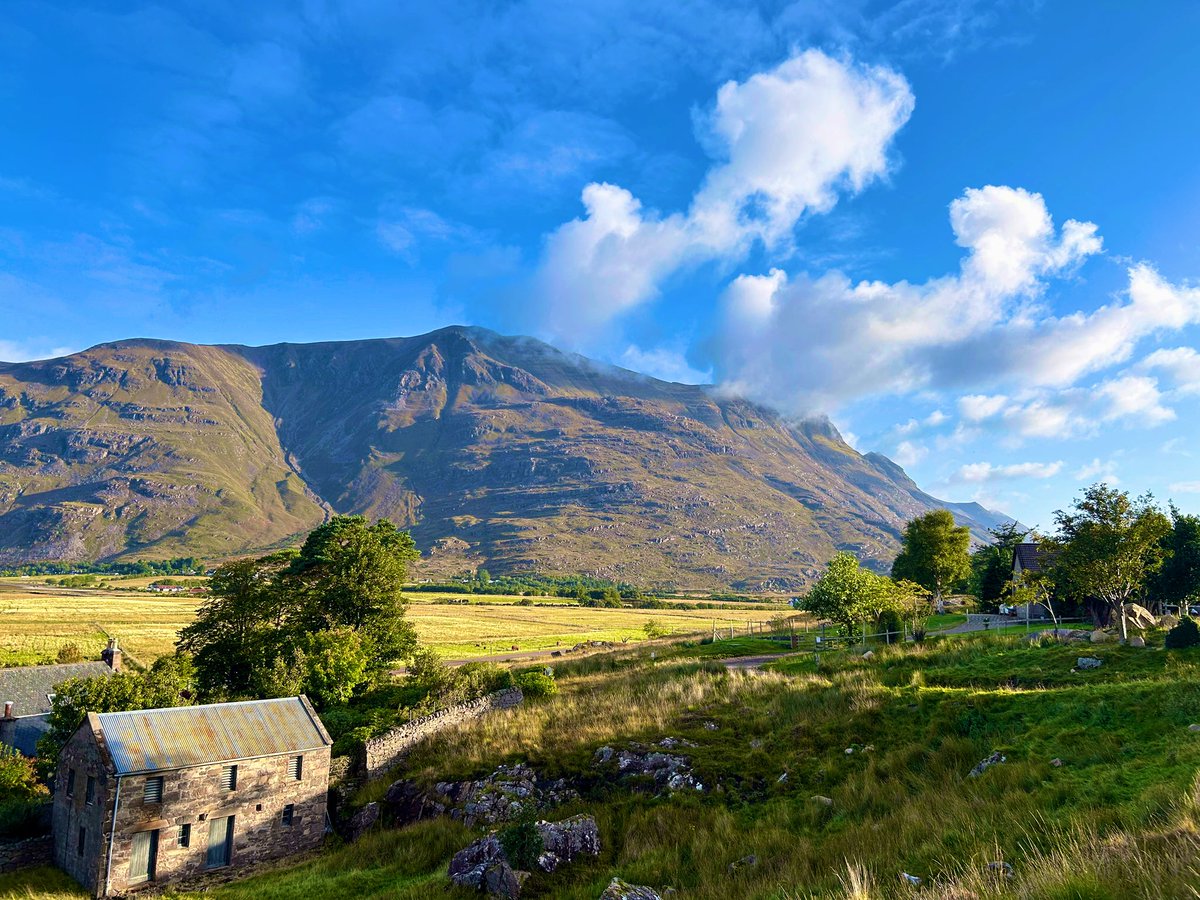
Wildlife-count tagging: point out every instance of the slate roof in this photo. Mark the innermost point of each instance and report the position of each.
(154, 740)
(23, 733)
(1031, 557)
(29, 687)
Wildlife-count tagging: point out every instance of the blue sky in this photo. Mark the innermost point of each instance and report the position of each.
(969, 232)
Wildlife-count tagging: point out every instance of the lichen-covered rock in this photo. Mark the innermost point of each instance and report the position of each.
(469, 866)
(622, 890)
(986, 764)
(570, 838)
(504, 796)
(666, 771)
(1088, 662)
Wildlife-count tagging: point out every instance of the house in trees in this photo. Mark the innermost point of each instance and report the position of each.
(151, 796)
(1029, 559)
(27, 695)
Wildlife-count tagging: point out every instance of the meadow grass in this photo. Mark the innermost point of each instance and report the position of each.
(1118, 817)
(889, 741)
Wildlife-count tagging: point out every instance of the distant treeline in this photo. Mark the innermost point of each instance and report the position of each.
(187, 565)
(585, 589)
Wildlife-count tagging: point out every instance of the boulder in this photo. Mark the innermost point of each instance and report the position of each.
(824, 801)
(1139, 617)
(362, 821)
(1088, 662)
(1001, 869)
(622, 890)
(507, 794)
(1059, 634)
(570, 838)
(1137, 641)
(1194, 728)
(746, 862)
(1101, 637)
(502, 880)
(986, 764)
(1056, 762)
(469, 866)
(669, 771)
(1167, 622)
(870, 654)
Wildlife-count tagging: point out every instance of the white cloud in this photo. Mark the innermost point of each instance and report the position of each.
(1185, 487)
(909, 453)
(985, 471)
(402, 230)
(788, 142)
(1181, 365)
(817, 342)
(665, 363)
(1097, 469)
(23, 351)
(977, 407)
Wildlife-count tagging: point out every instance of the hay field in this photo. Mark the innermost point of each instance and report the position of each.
(37, 619)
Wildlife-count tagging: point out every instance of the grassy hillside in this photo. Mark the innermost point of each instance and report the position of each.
(497, 452)
(1118, 818)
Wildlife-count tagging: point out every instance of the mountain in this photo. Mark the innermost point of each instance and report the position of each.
(497, 451)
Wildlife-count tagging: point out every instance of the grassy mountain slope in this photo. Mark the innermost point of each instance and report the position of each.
(497, 451)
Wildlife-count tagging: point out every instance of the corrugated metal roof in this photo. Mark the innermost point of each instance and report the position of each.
(150, 740)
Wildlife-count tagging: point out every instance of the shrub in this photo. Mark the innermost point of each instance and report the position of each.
(1185, 634)
(522, 844)
(891, 625)
(536, 684)
(69, 653)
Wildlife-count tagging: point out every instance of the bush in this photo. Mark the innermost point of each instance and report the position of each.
(1185, 634)
(891, 625)
(522, 844)
(536, 684)
(69, 653)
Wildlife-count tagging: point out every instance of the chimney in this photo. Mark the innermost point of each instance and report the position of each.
(8, 724)
(112, 655)
(8, 709)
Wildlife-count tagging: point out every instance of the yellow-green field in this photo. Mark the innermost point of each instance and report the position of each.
(37, 619)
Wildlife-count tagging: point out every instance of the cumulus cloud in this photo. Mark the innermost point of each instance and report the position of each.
(985, 471)
(808, 343)
(1097, 469)
(787, 142)
(1185, 487)
(1181, 365)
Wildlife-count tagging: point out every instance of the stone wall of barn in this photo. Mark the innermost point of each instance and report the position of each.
(195, 797)
(82, 860)
(389, 749)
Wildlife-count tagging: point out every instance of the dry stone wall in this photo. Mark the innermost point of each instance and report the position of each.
(36, 851)
(389, 750)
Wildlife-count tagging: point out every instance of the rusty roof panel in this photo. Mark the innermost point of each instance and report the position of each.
(151, 740)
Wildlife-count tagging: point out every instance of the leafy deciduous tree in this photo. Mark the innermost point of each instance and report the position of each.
(1110, 547)
(934, 552)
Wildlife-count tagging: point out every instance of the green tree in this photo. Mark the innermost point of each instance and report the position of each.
(849, 595)
(1110, 548)
(934, 553)
(992, 563)
(1178, 581)
(169, 682)
(239, 630)
(335, 663)
(351, 573)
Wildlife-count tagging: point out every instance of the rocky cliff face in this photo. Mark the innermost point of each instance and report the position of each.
(496, 451)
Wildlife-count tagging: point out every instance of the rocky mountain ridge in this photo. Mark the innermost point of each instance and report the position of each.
(497, 451)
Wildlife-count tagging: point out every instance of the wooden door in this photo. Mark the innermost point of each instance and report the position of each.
(220, 842)
(144, 856)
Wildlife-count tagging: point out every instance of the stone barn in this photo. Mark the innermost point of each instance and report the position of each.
(152, 796)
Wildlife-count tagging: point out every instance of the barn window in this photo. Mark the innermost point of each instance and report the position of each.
(229, 778)
(70, 782)
(289, 813)
(152, 793)
(295, 767)
(91, 790)
(185, 835)
(80, 841)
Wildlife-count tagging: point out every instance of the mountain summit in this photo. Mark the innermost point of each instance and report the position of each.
(497, 451)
